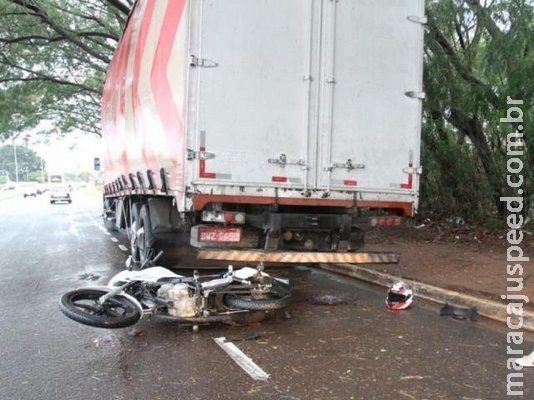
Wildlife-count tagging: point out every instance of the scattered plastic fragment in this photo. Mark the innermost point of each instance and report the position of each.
(136, 332)
(459, 313)
(89, 276)
(526, 361)
(330, 299)
(248, 336)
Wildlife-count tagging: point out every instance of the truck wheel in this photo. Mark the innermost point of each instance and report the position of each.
(145, 237)
(109, 210)
(132, 231)
(109, 224)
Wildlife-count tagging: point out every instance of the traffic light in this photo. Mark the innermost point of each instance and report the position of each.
(97, 164)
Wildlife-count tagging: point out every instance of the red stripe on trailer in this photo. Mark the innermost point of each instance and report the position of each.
(144, 28)
(169, 111)
(281, 179)
(119, 72)
(141, 42)
(113, 103)
(350, 182)
(409, 184)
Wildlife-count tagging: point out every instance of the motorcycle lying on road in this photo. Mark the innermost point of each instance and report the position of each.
(231, 297)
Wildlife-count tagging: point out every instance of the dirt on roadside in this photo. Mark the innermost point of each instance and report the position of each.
(455, 257)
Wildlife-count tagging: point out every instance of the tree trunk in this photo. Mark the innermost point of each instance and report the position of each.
(472, 128)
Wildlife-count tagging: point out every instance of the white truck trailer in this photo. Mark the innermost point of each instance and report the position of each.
(263, 129)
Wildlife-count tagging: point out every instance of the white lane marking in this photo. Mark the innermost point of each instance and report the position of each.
(72, 224)
(242, 359)
(96, 223)
(101, 227)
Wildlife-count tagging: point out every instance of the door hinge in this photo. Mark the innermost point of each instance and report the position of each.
(282, 161)
(416, 95)
(202, 62)
(348, 165)
(417, 20)
(413, 170)
(199, 155)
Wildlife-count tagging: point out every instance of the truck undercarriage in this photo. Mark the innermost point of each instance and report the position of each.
(243, 232)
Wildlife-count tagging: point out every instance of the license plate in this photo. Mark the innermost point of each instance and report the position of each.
(221, 235)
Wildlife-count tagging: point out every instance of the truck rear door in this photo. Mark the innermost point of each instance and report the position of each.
(307, 94)
(249, 72)
(371, 83)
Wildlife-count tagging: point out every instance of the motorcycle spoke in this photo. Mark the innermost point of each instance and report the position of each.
(114, 312)
(84, 305)
(110, 308)
(92, 307)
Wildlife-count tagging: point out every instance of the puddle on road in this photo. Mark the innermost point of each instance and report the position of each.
(329, 299)
(88, 276)
(95, 272)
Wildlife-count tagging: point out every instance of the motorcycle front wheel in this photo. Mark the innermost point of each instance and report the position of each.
(82, 305)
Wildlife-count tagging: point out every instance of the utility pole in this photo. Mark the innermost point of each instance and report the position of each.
(16, 162)
(42, 171)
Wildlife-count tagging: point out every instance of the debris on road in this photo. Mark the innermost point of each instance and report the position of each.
(136, 332)
(89, 276)
(459, 313)
(329, 299)
(526, 361)
(247, 336)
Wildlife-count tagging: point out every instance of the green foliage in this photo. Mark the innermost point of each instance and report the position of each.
(476, 55)
(53, 57)
(28, 167)
(54, 54)
(448, 189)
(79, 177)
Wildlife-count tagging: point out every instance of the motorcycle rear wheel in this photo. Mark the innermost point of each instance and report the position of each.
(81, 305)
(276, 299)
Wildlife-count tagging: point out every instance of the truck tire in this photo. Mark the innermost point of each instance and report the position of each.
(109, 224)
(146, 241)
(132, 231)
(109, 209)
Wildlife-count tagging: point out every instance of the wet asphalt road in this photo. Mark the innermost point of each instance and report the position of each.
(352, 350)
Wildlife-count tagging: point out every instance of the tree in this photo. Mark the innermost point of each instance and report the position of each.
(54, 54)
(53, 58)
(28, 166)
(477, 54)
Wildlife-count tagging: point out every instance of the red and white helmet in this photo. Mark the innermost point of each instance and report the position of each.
(400, 296)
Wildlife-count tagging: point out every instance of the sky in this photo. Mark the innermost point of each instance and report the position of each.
(74, 153)
(70, 153)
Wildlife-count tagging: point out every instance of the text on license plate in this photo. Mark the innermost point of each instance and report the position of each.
(215, 234)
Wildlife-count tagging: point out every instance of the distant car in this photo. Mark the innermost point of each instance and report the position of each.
(60, 195)
(31, 192)
(9, 186)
